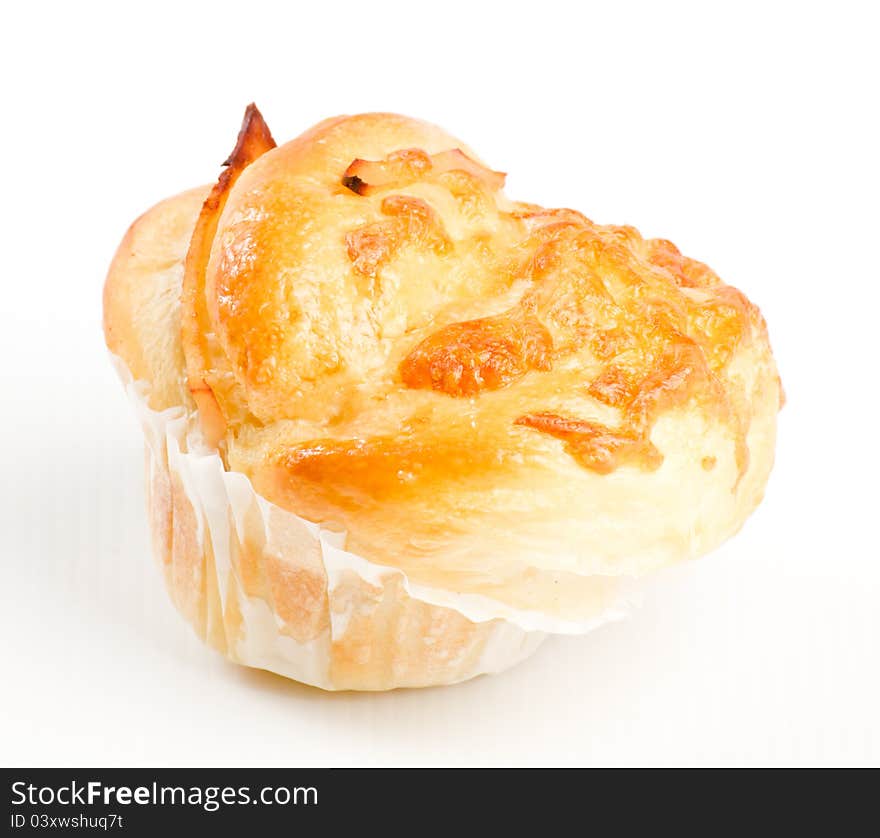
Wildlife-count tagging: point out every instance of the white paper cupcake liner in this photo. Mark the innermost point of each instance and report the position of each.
(274, 591)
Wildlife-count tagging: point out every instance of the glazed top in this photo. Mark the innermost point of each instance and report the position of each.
(380, 339)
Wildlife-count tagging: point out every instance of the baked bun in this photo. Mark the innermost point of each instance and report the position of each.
(492, 398)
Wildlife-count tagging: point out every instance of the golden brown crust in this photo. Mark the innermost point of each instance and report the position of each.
(466, 358)
(469, 384)
(204, 368)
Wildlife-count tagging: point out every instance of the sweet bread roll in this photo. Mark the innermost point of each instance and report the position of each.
(494, 412)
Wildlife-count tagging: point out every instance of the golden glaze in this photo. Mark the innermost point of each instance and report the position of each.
(462, 359)
(463, 382)
(410, 222)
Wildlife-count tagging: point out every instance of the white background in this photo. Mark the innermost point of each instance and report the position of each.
(748, 136)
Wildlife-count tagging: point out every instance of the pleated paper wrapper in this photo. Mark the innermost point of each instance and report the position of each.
(274, 591)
